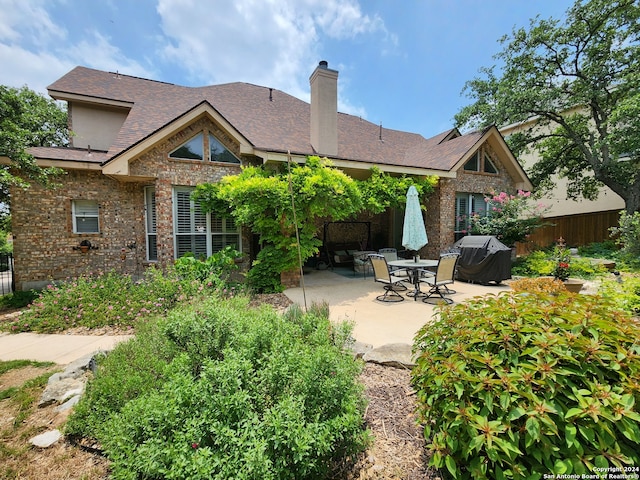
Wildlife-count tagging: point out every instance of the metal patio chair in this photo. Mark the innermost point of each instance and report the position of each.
(438, 281)
(392, 283)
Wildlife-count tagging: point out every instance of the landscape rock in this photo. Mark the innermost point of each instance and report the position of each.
(69, 383)
(69, 404)
(46, 439)
(360, 348)
(396, 355)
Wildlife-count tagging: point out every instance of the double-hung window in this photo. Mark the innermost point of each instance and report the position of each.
(199, 233)
(85, 216)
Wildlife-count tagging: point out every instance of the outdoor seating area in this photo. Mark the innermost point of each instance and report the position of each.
(354, 298)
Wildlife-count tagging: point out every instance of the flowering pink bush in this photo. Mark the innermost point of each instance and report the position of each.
(510, 218)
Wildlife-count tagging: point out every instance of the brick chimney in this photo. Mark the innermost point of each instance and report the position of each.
(324, 110)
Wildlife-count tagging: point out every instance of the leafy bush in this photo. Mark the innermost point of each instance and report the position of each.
(624, 292)
(538, 285)
(521, 385)
(605, 249)
(19, 299)
(544, 263)
(511, 218)
(95, 301)
(214, 271)
(238, 393)
(628, 233)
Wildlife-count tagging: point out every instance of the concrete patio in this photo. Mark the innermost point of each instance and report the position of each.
(352, 297)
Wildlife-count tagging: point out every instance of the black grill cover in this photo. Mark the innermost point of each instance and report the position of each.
(483, 259)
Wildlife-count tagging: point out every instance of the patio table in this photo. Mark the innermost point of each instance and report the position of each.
(413, 269)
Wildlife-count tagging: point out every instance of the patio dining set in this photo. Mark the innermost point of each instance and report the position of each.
(406, 277)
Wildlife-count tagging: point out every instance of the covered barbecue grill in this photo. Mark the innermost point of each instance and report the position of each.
(483, 259)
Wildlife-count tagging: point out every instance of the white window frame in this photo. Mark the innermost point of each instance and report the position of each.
(82, 209)
(198, 227)
(150, 224)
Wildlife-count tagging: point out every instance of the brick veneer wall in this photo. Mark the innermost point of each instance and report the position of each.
(42, 219)
(440, 218)
(45, 247)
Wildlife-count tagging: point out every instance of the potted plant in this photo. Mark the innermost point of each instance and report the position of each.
(562, 257)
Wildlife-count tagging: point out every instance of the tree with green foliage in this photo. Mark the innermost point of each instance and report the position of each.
(261, 199)
(580, 81)
(27, 119)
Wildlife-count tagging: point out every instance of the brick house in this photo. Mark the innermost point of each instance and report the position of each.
(139, 146)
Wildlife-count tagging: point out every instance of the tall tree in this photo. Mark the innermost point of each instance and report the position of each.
(27, 119)
(580, 81)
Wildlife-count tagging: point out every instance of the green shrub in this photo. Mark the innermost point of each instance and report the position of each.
(628, 233)
(623, 292)
(19, 299)
(97, 300)
(523, 385)
(543, 263)
(242, 393)
(134, 368)
(214, 271)
(606, 249)
(102, 299)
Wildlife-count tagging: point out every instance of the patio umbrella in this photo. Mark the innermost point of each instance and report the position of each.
(414, 233)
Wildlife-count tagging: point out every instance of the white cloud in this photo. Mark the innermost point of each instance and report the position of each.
(274, 43)
(35, 70)
(96, 51)
(35, 51)
(27, 21)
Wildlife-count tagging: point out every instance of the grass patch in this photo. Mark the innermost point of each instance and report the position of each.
(6, 366)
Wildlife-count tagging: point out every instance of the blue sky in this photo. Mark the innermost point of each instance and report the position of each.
(402, 63)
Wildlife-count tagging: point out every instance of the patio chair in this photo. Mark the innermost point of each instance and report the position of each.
(391, 254)
(443, 276)
(392, 283)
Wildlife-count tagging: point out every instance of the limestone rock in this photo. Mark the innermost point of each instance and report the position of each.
(360, 348)
(392, 354)
(46, 439)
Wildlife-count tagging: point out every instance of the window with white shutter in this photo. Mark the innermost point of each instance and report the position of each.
(85, 216)
(467, 204)
(150, 223)
(199, 233)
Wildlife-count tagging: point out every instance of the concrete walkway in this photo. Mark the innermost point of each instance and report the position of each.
(349, 297)
(60, 349)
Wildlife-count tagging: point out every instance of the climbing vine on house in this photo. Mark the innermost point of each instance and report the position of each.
(260, 199)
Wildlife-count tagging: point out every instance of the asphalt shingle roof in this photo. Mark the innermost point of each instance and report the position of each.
(269, 119)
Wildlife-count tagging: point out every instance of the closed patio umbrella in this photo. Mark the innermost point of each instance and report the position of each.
(414, 233)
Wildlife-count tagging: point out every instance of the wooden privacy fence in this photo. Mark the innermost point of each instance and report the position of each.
(577, 230)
